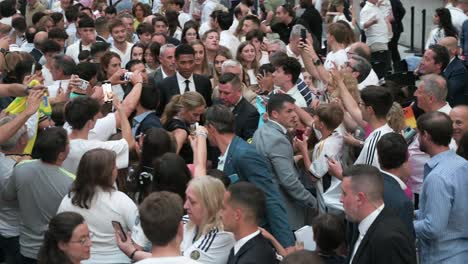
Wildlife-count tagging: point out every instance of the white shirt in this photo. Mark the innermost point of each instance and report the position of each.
(294, 93)
(332, 147)
(371, 79)
(27, 47)
(228, 40)
(204, 27)
(368, 153)
(435, 35)
(74, 50)
(78, 147)
(222, 158)
(396, 178)
(207, 8)
(339, 58)
(364, 225)
(183, 18)
(234, 25)
(239, 243)
(342, 17)
(292, 55)
(168, 260)
(48, 79)
(105, 207)
(124, 56)
(181, 81)
(103, 129)
(458, 17)
(377, 33)
(285, 130)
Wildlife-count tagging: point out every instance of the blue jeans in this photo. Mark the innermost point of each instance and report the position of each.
(10, 249)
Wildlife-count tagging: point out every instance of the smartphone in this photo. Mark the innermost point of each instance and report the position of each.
(107, 89)
(119, 230)
(409, 134)
(33, 68)
(83, 85)
(303, 35)
(300, 134)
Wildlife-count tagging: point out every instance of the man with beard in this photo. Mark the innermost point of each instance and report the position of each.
(120, 45)
(440, 223)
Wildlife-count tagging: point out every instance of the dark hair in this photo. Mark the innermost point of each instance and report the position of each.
(463, 146)
(289, 9)
(179, 3)
(144, 7)
(101, 24)
(7, 8)
(99, 46)
(71, 13)
(302, 257)
(23, 68)
(50, 143)
(267, 67)
(438, 125)
(60, 229)
(58, 115)
(224, 20)
(111, 10)
(154, 49)
(445, 22)
(329, 232)
(277, 101)
(65, 63)
(232, 79)
(57, 17)
(171, 174)
(441, 55)
(256, 33)
(184, 49)
(250, 198)
(95, 170)
(86, 22)
(37, 16)
(137, 45)
(366, 179)
(51, 46)
(57, 33)
(252, 18)
(19, 23)
(87, 70)
(188, 25)
(30, 33)
(144, 28)
(161, 228)
(105, 60)
(392, 150)
(221, 118)
(80, 110)
(330, 114)
(172, 21)
(159, 18)
(379, 98)
(132, 63)
(149, 98)
(291, 66)
(115, 23)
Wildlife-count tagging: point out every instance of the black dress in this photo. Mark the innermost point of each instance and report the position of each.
(186, 151)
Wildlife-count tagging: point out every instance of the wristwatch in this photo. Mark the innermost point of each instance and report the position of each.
(3, 51)
(317, 62)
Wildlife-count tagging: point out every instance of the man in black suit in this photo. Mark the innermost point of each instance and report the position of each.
(393, 160)
(243, 207)
(184, 80)
(380, 236)
(455, 73)
(246, 115)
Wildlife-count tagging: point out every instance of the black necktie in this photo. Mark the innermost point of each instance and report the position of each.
(187, 88)
(231, 258)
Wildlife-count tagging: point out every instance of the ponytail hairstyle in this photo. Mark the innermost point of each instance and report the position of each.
(182, 102)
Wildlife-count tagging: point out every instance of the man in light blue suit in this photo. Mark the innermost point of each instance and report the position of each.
(273, 143)
(238, 157)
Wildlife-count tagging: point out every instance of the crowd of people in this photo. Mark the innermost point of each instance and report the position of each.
(214, 131)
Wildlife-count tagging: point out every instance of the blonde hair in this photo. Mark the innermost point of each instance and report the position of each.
(351, 84)
(210, 192)
(396, 117)
(187, 101)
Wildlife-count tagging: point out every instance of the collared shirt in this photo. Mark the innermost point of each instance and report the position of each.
(222, 158)
(304, 90)
(445, 109)
(294, 93)
(441, 222)
(285, 130)
(396, 178)
(137, 121)
(228, 40)
(181, 81)
(293, 55)
(377, 33)
(239, 243)
(364, 225)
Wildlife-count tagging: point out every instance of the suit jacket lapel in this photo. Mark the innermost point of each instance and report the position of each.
(228, 166)
(247, 246)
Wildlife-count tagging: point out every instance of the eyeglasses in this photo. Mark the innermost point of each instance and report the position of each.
(348, 64)
(83, 241)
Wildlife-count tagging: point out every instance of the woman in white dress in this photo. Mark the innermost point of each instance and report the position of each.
(444, 27)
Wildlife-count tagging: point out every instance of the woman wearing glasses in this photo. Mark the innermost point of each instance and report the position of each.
(68, 240)
(94, 196)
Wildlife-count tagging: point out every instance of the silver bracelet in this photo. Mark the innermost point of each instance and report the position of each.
(201, 133)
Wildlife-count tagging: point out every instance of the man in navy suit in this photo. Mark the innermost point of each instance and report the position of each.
(184, 80)
(243, 208)
(456, 74)
(238, 157)
(393, 159)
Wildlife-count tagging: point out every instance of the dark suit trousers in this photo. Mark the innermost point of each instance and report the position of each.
(393, 48)
(380, 62)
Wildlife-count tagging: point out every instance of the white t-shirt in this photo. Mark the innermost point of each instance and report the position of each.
(435, 35)
(368, 153)
(377, 33)
(103, 129)
(458, 17)
(104, 208)
(332, 147)
(228, 40)
(183, 18)
(339, 58)
(124, 56)
(74, 50)
(78, 147)
(371, 79)
(168, 260)
(48, 79)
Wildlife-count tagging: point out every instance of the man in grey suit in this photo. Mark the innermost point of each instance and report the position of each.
(168, 66)
(272, 141)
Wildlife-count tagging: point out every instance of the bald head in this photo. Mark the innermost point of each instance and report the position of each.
(40, 38)
(459, 116)
(361, 49)
(451, 44)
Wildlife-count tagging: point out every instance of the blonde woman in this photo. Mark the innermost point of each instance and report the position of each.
(179, 114)
(204, 238)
